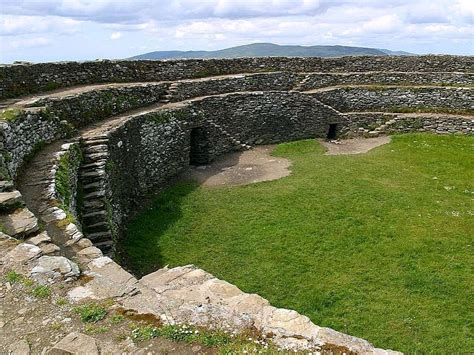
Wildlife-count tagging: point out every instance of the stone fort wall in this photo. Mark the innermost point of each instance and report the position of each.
(118, 142)
(22, 79)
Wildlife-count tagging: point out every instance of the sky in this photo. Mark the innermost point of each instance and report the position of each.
(54, 30)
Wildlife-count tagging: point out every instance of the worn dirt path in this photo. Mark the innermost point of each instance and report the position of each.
(256, 165)
(353, 146)
(240, 168)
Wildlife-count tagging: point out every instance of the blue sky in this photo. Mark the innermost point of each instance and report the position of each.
(52, 30)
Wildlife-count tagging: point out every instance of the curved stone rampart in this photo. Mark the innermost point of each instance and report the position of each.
(133, 138)
(394, 99)
(22, 79)
(319, 80)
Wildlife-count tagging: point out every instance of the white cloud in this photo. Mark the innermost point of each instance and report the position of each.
(8, 44)
(115, 35)
(434, 25)
(18, 25)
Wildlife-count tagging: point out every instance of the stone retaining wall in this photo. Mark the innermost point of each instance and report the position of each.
(147, 150)
(22, 79)
(279, 81)
(143, 153)
(91, 106)
(59, 117)
(27, 134)
(389, 99)
(320, 80)
(367, 123)
(269, 117)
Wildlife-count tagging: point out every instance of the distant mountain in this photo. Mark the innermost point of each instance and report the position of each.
(389, 52)
(270, 50)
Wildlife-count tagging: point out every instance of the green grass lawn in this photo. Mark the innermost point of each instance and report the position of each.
(377, 245)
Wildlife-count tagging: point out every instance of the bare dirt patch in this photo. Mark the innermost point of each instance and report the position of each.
(353, 146)
(240, 168)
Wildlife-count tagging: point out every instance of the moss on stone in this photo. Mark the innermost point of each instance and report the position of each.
(166, 116)
(66, 176)
(12, 114)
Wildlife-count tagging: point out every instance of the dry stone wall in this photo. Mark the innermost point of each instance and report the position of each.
(145, 152)
(90, 106)
(269, 117)
(22, 79)
(349, 99)
(319, 80)
(26, 135)
(148, 150)
(278, 81)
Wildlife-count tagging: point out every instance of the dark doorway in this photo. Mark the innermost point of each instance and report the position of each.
(332, 131)
(199, 153)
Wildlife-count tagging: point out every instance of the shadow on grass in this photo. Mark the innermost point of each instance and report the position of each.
(143, 255)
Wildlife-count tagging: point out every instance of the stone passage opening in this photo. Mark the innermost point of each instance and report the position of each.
(199, 153)
(332, 131)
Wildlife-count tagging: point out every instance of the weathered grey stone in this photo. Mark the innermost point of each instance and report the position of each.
(9, 200)
(190, 295)
(53, 214)
(20, 223)
(39, 239)
(49, 248)
(54, 268)
(85, 255)
(21, 347)
(21, 255)
(75, 343)
(109, 280)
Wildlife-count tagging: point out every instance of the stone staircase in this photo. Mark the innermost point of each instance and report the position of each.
(300, 85)
(93, 178)
(169, 94)
(235, 141)
(382, 129)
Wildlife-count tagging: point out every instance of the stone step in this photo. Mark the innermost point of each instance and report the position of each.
(50, 249)
(95, 165)
(39, 239)
(92, 173)
(98, 227)
(93, 186)
(96, 138)
(94, 217)
(94, 195)
(99, 236)
(10, 200)
(105, 246)
(95, 142)
(90, 158)
(19, 224)
(99, 148)
(94, 205)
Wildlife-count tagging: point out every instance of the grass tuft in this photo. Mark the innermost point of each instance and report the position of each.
(91, 312)
(13, 277)
(41, 291)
